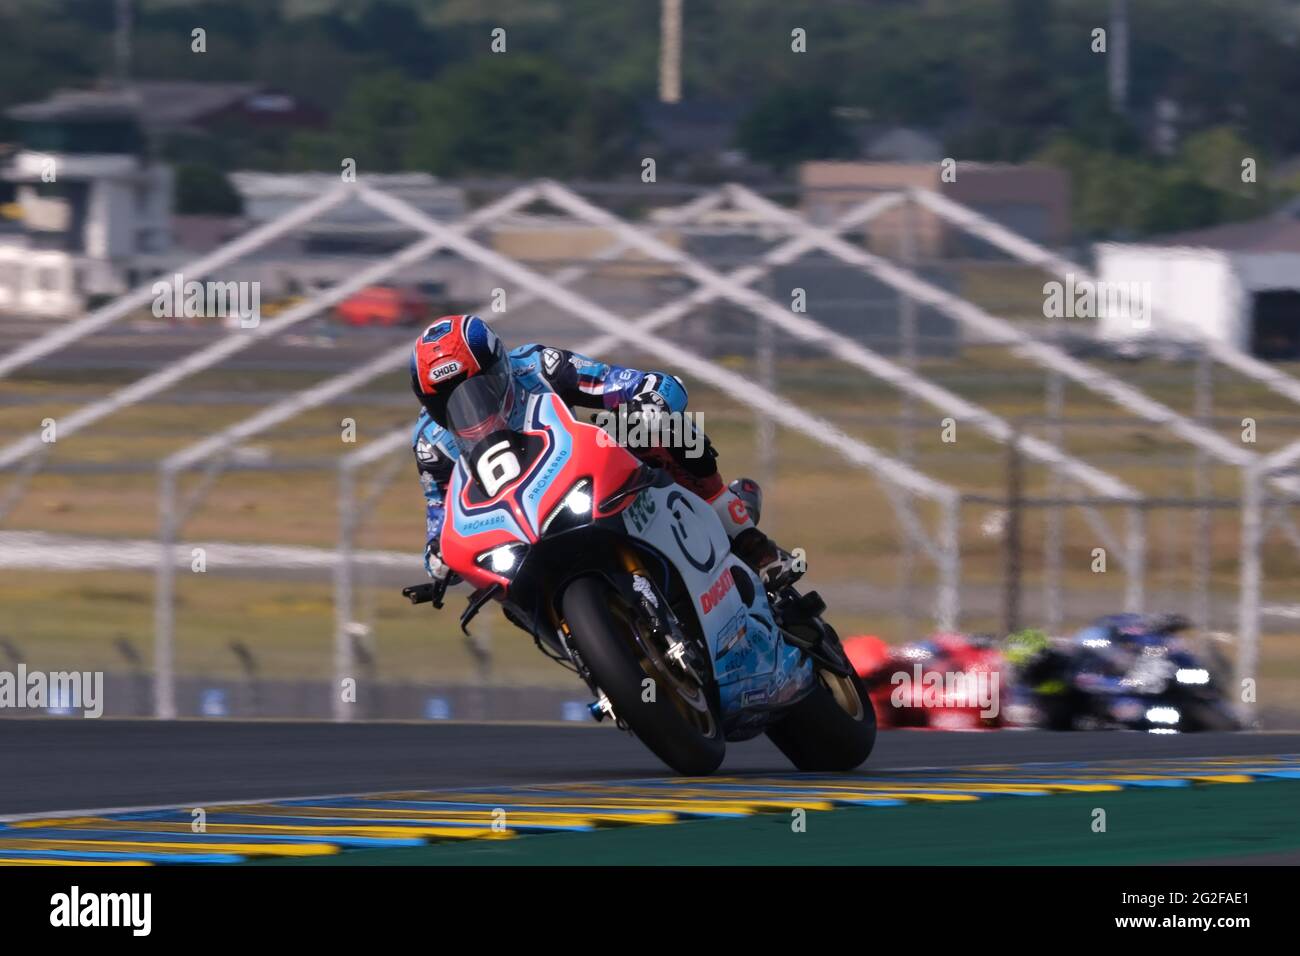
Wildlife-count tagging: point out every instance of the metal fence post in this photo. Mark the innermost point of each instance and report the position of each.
(164, 661)
(1204, 488)
(1135, 544)
(907, 331)
(1013, 541)
(948, 611)
(1252, 543)
(765, 369)
(1054, 515)
(343, 567)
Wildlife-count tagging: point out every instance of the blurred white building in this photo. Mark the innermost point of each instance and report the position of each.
(1238, 284)
(90, 203)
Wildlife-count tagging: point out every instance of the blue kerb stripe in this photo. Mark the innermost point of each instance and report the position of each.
(345, 821)
(124, 855)
(201, 838)
(459, 805)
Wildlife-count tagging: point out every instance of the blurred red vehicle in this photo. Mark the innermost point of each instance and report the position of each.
(948, 682)
(385, 305)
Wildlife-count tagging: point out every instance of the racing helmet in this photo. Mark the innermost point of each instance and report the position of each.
(452, 350)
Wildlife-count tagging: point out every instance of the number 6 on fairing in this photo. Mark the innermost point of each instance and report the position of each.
(497, 466)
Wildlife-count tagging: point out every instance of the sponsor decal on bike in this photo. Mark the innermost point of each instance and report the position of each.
(681, 532)
(717, 591)
(543, 481)
(641, 512)
(732, 633)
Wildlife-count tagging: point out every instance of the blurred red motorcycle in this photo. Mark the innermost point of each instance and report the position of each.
(948, 682)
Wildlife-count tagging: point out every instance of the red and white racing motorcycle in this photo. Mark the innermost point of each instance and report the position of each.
(628, 578)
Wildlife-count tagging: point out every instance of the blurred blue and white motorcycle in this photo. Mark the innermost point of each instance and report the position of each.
(1123, 671)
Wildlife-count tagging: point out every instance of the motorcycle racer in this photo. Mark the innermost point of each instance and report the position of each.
(456, 347)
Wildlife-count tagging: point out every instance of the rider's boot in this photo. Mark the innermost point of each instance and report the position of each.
(774, 565)
(737, 505)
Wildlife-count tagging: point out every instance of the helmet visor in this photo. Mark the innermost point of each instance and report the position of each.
(480, 406)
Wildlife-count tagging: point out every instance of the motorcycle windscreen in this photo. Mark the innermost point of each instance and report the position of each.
(480, 406)
(478, 416)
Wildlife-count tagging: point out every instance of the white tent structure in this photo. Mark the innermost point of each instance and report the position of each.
(900, 479)
(1235, 285)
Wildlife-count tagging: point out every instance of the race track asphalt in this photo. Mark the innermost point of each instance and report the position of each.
(76, 764)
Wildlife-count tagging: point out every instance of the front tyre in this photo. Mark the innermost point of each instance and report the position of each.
(679, 723)
(832, 729)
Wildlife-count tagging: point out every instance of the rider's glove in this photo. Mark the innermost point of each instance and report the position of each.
(438, 569)
(647, 405)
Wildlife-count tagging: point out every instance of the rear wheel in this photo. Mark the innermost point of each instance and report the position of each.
(831, 729)
(673, 716)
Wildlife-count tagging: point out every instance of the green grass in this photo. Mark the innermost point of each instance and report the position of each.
(1142, 827)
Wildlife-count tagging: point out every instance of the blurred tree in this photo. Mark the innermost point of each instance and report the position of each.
(511, 114)
(1119, 196)
(602, 135)
(397, 29)
(1019, 99)
(789, 125)
(377, 123)
(1180, 203)
(203, 189)
(996, 79)
(1214, 157)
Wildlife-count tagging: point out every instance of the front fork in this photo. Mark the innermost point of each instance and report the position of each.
(660, 638)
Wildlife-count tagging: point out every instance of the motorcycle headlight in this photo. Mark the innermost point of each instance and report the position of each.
(1192, 675)
(502, 560)
(574, 508)
(1163, 715)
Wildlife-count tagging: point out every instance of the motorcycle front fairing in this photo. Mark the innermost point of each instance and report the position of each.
(530, 474)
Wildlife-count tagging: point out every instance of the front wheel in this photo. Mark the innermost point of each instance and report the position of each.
(666, 706)
(832, 729)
